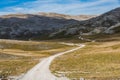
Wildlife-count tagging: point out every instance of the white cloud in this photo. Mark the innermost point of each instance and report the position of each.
(18, 9)
(71, 7)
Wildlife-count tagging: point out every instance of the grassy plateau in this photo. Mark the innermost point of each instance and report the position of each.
(17, 57)
(97, 60)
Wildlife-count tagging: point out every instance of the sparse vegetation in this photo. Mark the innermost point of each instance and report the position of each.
(16, 66)
(103, 37)
(28, 45)
(98, 60)
(117, 29)
(17, 57)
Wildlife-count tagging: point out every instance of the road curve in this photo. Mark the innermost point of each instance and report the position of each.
(41, 71)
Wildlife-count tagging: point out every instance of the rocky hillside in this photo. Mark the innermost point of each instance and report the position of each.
(27, 25)
(106, 20)
(107, 23)
(52, 25)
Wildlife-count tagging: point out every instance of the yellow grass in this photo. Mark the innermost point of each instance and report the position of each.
(21, 56)
(100, 60)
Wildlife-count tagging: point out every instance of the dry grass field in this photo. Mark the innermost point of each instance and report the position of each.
(17, 57)
(97, 60)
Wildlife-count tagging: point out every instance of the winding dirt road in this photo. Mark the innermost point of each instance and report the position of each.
(42, 72)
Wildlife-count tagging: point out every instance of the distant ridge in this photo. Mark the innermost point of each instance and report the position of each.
(53, 25)
(76, 17)
(54, 15)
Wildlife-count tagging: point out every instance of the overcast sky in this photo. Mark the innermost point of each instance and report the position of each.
(73, 7)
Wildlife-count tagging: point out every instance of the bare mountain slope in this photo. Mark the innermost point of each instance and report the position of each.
(106, 20)
(28, 25)
(52, 25)
(105, 23)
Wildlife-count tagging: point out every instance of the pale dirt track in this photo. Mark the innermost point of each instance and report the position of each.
(42, 72)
